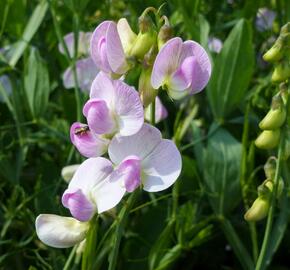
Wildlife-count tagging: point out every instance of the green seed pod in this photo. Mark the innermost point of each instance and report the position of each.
(258, 210)
(268, 139)
(275, 118)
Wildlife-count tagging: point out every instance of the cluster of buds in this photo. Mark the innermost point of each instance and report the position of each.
(136, 154)
(261, 205)
(279, 54)
(272, 122)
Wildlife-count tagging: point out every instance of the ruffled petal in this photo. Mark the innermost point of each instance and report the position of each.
(161, 167)
(128, 109)
(60, 232)
(166, 62)
(87, 143)
(79, 205)
(90, 174)
(126, 35)
(201, 69)
(115, 53)
(140, 144)
(103, 88)
(99, 117)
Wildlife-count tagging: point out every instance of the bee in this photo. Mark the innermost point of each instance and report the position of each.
(82, 130)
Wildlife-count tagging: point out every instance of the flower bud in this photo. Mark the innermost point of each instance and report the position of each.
(165, 33)
(258, 210)
(275, 118)
(266, 188)
(270, 168)
(274, 54)
(281, 72)
(268, 139)
(285, 28)
(147, 92)
(68, 172)
(145, 39)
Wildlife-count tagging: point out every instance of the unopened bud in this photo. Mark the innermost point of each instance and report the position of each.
(68, 172)
(266, 188)
(275, 118)
(147, 92)
(165, 33)
(268, 139)
(274, 54)
(281, 72)
(285, 28)
(270, 168)
(258, 210)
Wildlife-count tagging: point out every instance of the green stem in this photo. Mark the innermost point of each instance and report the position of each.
(152, 118)
(70, 258)
(262, 260)
(120, 229)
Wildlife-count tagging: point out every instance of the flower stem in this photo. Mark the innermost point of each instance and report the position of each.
(70, 258)
(152, 119)
(122, 217)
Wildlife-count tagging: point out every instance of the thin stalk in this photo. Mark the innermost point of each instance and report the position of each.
(122, 218)
(152, 117)
(70, 258)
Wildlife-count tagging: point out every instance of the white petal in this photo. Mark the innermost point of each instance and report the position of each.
(60, 232)
(103, 88)
(139, 144)
(126, 34)
(162, 167)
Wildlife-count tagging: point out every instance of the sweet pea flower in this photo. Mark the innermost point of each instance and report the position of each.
(113, 108)
(144, 159)
(90, 191)
(110, 45)
(265, 18)
(160, 111)
(86, 69)
(215, 44)
(181, 68)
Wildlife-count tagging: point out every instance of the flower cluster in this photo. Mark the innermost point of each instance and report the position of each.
(116, 123)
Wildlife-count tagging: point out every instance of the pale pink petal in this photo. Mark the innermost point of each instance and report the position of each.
(60, 232)
(103, 88)
(128, 109)
(161, 167)
(140, 144)
(98, 46)
(126, 35)
(115, 53)
(86, 72)
(166, 62)
(202, 69)
(87, 143)
(69, 41)
(79, 205)
(99, 117)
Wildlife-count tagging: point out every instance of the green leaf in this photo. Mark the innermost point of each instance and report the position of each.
(221, 163)
(232, 71)
(36, 84)
(30, 30)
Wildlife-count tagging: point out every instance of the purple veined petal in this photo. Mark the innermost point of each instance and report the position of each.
(99, 117)
(79, 205)
(127, 36)
(87, 143)
(202, 69)
(160, 111)
(161, 167)
(115, 53)
(140, 144)
(60, 232)
(128, 109)
(98, 46)
(215, 44)
(103, 88)
(86, 72)
(6, 84)
(265, 18)
(91, 173)
(166, 62)
(129, 173)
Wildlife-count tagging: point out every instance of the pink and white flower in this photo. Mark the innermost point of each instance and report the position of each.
(110, 45)
(92, 190)
(144, 159)
(114, 108)
(181, 68)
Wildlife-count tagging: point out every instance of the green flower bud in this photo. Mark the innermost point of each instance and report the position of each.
(275, 118)
(266, 188)
(268, 139)
(281, 72)
(270, 168)
(258, 210)
(165, 33)
(274, 54)
(285, 29)
(147, 93)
